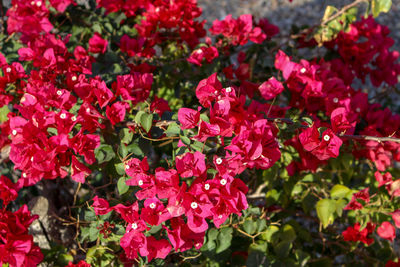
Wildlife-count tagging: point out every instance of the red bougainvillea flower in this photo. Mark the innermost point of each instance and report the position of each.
(238, 31)
(82, 263)
(354, 234)
(396, 218)
(97, 44)
(101, 206)
(383, 179)
(207, 53)
(387, 231)
(8, 190)
(271, 88)
(326, 147)
(191, 164)
(188, 118)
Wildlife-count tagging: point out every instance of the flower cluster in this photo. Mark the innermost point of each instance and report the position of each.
(16, 245)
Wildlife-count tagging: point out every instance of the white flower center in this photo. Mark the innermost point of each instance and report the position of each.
(207, 186)
(219, 216)
(134, 226)
(14, 132)
(63, 116)
(73, 78)
(303, 70)
(152, 206)
(358, 110)
(59, 92)
(24, 175)
(32, 159)
(73, 118)
(8, 70)
(199, 51)
(215, 92)
(126, 167)
(33, 3)
(88, 110)
(335, 100)
(218, 161)
(223, 182)
(194, 205)
(228, 90)
(327, 138)
(140, 183)
(39, 3)
(157, 9)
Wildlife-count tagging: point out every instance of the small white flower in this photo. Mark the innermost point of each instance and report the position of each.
(219, 216)
(303, 70)
(140, 183)
(327, 138)
(335, 100)
(14, 132)
(24, 175)
(207, 186)
(39, 3)
(152, 206)
(126, 167)
(194, 205)
(134, 226)
(63, 116)
(199, 51)
(33, 3)
(218, 161)
(8, 70)
(88, 110)
(157, 9)
(73, 118)
(228, 90)
(74, 78)
(223, 182)
(215, 92)
(32, 159)
(59, 92)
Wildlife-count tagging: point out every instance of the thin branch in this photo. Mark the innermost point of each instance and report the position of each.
(372, 138)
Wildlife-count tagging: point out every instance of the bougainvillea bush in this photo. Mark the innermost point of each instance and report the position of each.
(133, 134)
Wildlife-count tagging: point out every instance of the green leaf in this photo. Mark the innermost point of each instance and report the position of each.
(173, 129)
(138, 116)
(93, 232)
(308, 120)
(3, 113)
(325, 209)
(379, 6)
(185, 140)
(339, 191)
(270, 234)
(340, 204)
(120, 168)
(146, 120)
(135, 149)
(224, 239)
(122, 186)
(126, 135)
(282, 249)
(104, 153)
(249, 227)
(288, 233)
